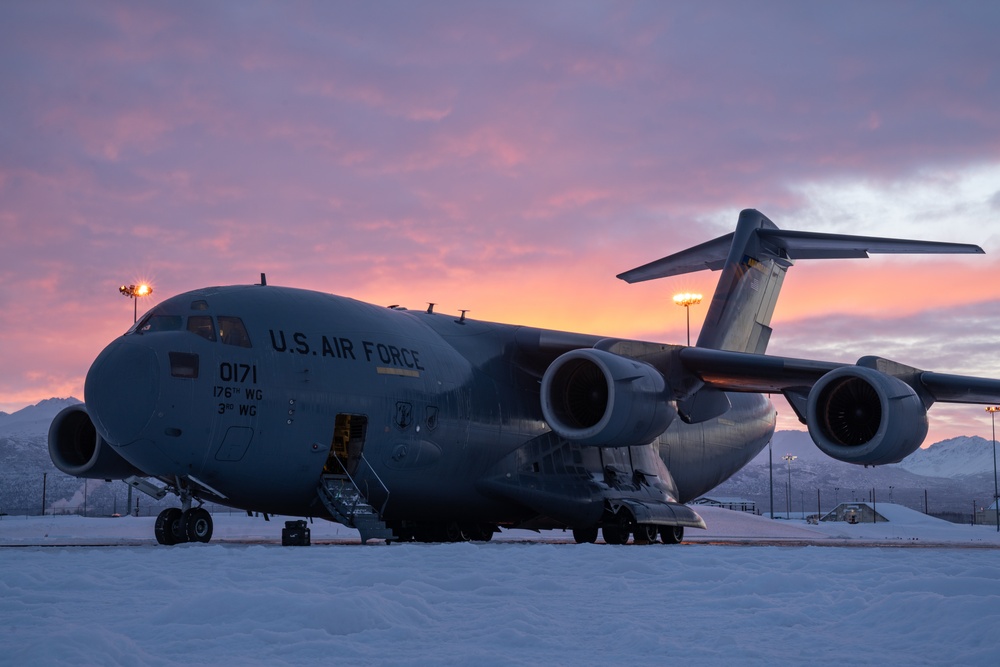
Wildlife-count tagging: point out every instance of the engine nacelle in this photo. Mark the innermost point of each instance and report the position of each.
(76, 448)
(859, 415)
(598, 398)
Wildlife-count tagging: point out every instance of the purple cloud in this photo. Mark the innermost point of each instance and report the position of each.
(449, 152)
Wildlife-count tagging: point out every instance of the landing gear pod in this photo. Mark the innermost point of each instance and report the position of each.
(598, 398)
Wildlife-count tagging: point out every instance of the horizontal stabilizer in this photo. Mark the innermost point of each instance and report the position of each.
(816, 245)
(710, 255)
(790, 245)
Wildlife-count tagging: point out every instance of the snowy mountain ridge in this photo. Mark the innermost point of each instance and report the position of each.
(954, 457)
(34, 419)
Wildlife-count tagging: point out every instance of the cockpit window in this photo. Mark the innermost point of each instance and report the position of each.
(232, 331)
(158, 321)
(200, 304)
(202, 325)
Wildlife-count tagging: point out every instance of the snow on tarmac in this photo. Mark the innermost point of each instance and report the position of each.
(508, 602)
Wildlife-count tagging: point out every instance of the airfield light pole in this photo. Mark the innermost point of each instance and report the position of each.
(135, 292)
(993, 410)
(687, 300)
(788, 489)
(770, 475)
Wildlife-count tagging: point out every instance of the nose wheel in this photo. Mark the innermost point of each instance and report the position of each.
(174, 526)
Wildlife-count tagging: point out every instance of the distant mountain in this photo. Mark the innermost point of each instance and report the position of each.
(949, 476)
(956, 457)
(796, 443)
(34, 418)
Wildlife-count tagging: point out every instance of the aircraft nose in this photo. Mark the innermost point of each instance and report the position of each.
(121, 391)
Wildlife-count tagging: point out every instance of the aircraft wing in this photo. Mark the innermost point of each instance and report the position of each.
(740, 371)
(960, 388)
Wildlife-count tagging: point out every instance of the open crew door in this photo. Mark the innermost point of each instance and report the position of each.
(347, 445)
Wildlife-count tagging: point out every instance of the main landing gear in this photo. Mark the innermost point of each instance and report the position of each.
(176, 526)
(618, 527)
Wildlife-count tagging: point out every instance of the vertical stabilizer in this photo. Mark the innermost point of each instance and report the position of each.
(739, 316)
(753, 260)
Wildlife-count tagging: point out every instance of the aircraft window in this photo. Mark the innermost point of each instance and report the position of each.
(157, 321)
(232, 331)
(202, 325)
(184, 365)
(200, 304)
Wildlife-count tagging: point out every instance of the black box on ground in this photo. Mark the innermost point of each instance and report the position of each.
(295, 534)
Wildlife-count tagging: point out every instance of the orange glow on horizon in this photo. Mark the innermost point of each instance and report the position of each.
(876, 289)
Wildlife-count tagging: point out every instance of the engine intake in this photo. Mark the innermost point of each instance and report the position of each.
(859, 415)
(598, 398)
(76, 448)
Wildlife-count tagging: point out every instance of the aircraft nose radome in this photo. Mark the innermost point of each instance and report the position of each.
(121, 391)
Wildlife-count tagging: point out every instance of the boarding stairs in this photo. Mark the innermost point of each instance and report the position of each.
(345, 501)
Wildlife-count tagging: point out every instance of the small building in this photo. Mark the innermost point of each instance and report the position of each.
(987, 516)
(735, 504)
(854, 513)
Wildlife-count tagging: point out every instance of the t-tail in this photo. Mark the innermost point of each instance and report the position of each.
(753, 260)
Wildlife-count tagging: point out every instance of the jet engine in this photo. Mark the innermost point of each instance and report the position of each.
(76, 448)
(859, 415)
(598, 398)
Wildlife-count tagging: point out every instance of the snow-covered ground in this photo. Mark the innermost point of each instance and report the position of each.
(524, 599)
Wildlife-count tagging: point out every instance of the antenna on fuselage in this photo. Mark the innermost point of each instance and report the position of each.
(263, 278)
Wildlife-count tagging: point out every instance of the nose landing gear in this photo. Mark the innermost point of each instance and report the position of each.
(174, 526)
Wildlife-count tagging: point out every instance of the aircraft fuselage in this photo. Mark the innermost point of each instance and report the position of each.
(252, 391)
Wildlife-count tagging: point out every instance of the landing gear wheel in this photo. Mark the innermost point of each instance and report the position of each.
(618, 527)
(478, 532)
(671, 534)
(587, 535)
(453, 533)
(197, 525)
(645, 533)
(166, 526)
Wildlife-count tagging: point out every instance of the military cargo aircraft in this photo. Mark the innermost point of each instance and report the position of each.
(417, 425)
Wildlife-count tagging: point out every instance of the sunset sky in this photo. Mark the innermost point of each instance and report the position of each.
(506, 158)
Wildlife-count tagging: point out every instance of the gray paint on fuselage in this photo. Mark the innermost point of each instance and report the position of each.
(470, 390)
(702, 456)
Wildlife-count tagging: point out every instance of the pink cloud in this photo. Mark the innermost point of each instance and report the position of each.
(510, 161)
